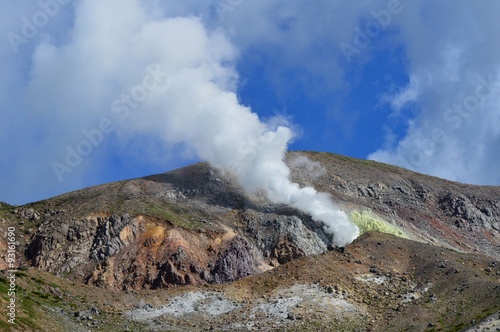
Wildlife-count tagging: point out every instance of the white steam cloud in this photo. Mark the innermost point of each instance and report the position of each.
(173, 79)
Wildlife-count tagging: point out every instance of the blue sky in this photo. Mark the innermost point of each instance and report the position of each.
(411, 83)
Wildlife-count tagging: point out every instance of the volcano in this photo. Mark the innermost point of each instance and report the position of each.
(190, 250)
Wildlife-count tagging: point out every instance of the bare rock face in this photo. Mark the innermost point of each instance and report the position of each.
(481, 214)
(284, 238)
(120, 251)
(62, 246)
(112, 234)
(237, 261)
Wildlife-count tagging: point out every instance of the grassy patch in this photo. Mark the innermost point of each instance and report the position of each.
(25, 308)
(4, 286)
(4, 206)
(4, 326)
(42, 295)
(173, 213)
(38, 280)
(117, 205)
(5, 210)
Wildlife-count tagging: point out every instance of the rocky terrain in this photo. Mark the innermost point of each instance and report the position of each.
(189, 250)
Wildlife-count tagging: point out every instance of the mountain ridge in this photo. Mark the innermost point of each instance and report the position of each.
(196, 227)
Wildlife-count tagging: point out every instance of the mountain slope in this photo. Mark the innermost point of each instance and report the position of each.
(195, 226)
(378, 283)
(446, 213)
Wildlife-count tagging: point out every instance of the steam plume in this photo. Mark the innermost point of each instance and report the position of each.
(193, 103)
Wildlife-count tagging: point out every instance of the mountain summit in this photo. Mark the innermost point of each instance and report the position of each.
(427, 257)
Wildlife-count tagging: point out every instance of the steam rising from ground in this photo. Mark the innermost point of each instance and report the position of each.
(181, 86)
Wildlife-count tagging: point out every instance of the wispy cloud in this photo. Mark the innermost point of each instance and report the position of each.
(406, 95)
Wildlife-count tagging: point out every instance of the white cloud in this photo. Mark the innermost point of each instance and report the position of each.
(450, 47)
(406, 95)
(455, 133)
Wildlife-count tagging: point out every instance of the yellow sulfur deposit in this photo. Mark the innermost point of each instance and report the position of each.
(368, 221)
